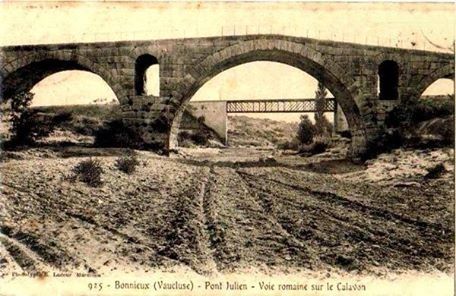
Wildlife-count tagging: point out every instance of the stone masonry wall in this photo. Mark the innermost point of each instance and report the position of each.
(348, 70)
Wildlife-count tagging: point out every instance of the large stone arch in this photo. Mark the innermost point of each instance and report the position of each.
(446, 71)
(297, 55)
(22, 74)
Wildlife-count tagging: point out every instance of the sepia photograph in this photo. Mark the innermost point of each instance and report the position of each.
(227, 148)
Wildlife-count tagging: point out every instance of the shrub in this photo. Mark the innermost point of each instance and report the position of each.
(88, 171)
(201, 137)
(83, 125)
(63, 116)
(431, 108)
(438, 132)
(322, 125)
(387, 141)
(435, 171)
(414, 111)
(310, 138)
(27, 124)
(184, 139)
(293, 144)
(184, 135)
(127, 164)
(306, 130)
(319, 145)
(25, 128)
(20, 117)
(116, 134)
(404, 120)
(447, 132)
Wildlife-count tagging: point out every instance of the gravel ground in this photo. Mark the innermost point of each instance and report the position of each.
(227, 210)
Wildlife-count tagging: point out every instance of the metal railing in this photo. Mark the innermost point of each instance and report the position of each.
(278, 106)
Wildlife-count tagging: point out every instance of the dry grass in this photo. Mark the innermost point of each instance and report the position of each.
(247, 131)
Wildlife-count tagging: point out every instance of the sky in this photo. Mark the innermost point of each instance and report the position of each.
(408, 25)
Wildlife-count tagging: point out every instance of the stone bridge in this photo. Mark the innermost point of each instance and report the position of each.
(352, 72)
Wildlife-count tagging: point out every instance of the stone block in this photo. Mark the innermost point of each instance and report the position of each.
(258, 45)
(296, 48)
(218, 57)
(208, 62)
(10, 67)
(126, 71)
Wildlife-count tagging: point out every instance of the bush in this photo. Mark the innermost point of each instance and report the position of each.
(201, 137)
(184, 135)
(62, 116)
(432, 108)
(435, 172)
(116, 134)
(306, 130)
(319, 145)
(88, 171)
(323, 127)
(184, 139)
(412, 112)
(87, 126)
(27, 124)
(387, 141)
(447, 132)
(20, 117)
(127, 164)
(289, 145)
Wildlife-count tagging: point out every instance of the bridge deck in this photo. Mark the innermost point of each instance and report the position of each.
(278, 106)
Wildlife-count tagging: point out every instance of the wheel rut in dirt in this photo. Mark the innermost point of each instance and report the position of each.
(303, 252)
(190, 234)
(358, 206)
(215, 231)
(25, 258)
(356, 232)
(32, 254)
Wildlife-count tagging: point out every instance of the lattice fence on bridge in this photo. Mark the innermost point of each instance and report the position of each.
(277, 106)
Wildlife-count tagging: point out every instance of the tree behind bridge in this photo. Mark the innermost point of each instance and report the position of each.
(322, 126)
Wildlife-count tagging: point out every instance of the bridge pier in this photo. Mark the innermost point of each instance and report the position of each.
(149, 117)
(152, 118)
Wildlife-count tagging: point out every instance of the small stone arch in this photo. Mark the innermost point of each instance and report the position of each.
(142, 63)
(294, 54)
(388, 74)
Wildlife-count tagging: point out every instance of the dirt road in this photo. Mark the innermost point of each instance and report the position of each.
(220, 212)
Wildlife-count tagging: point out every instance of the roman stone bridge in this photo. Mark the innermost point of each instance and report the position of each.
(365, 80)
